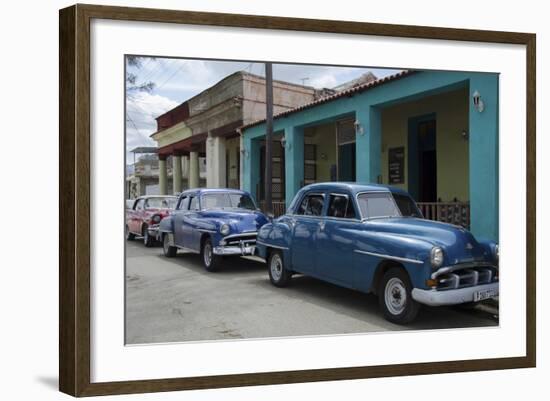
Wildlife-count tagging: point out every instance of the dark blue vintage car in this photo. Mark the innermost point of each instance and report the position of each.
(373, 238)
(214, 222)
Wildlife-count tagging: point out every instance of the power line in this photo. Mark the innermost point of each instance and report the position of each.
(172, 65)
(171, 76)
(153, 71)
(128, 118)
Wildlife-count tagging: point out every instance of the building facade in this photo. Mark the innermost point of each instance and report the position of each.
(203, 131)
(432, 133)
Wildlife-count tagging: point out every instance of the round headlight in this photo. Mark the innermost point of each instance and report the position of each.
(497, 252)
(436, 256)
(224, 229)
(156, 219)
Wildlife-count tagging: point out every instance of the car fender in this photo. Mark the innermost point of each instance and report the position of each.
(167, 225)
(375, 250)
(276, 235)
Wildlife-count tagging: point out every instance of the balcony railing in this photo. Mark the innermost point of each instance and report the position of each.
(457, 213)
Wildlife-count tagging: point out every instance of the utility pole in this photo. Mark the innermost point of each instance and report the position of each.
(268, 135)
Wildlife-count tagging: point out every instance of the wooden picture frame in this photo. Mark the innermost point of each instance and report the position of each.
(74, 199)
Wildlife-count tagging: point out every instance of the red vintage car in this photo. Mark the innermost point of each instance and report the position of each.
(143, 218)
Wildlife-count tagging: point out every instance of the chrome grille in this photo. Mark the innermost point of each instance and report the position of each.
(467, 277)
(236, 240)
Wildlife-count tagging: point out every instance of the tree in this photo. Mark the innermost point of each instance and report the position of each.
(132, 84)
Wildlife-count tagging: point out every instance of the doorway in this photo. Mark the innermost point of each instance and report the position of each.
(346, 162)
(346, 150)
(423, 159)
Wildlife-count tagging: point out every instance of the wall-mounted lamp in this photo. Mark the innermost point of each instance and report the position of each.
(358, 127)
(478, 102)
(245, 153)
(464, 135)
(285, 144)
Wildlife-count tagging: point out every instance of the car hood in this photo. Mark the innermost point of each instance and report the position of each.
(238, 219)
(458, 244)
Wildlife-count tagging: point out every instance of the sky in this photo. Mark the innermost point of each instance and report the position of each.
(177, 80)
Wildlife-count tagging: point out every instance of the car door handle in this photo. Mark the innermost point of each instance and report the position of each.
(321, 225)
(292, 222)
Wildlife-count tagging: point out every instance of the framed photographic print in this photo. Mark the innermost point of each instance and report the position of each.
(250, 200)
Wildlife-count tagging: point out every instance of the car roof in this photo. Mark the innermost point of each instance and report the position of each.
(214, 190)
(156, 196)
(353, 187)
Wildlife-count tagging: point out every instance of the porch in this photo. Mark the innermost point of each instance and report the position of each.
(419, 131)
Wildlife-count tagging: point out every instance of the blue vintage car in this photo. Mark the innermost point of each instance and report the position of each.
(373, 238)
(214, 222)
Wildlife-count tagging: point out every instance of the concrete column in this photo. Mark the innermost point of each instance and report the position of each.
(194, 172)
(241, 162)
(185, 169)
(176, 173)
(368, 145)
(294, 162)
(215, 162)
(162, 177)
(483, 155)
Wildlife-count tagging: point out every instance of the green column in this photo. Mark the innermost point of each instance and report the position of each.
(368, 145)
(483, 153)
(251, 165)
(294, 161)
(162, 176)
(176, 173)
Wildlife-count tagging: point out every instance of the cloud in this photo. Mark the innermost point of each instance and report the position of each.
(141, 110)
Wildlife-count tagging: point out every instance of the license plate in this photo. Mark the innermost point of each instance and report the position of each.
(485, 294)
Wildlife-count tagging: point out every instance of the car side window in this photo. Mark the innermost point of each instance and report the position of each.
(184, 202)
(194, 203)
(340, 206)
(311, 205)
(139, 204)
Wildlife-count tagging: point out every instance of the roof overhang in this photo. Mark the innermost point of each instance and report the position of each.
(194, 143)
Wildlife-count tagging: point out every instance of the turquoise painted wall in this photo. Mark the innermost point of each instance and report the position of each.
(484, 157)
(367, 106)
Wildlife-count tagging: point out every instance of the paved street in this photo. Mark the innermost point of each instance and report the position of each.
(171, 300)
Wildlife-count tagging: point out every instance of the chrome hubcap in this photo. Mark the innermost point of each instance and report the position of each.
(207, 254)
(395, 296)
(276, 267)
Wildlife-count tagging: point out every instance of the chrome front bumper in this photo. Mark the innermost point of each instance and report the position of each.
(153, 231)
(242, 244)
(452, 297)
(235, 250)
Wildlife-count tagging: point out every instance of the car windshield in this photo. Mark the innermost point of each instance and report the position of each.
(226, 200)
(407, 206)
(161, 203)
(377, 205)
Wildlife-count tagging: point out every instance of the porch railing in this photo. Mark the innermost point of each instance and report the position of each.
(449, 212)
(279, 207)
